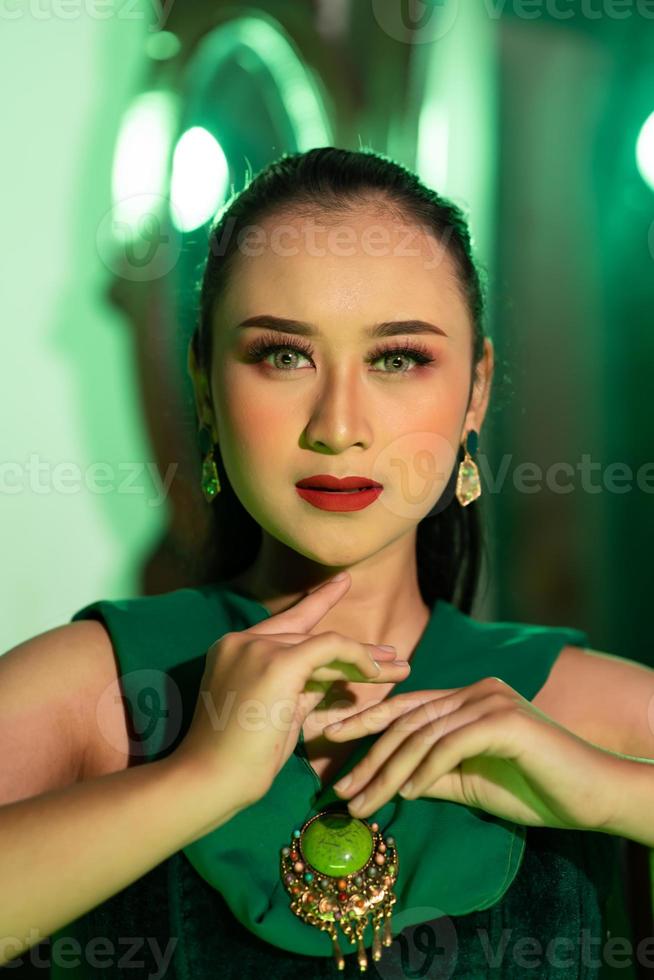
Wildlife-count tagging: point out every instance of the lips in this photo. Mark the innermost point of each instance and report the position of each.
(324, 481)
(340, 501)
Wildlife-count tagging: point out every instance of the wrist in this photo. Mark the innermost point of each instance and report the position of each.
(204, 792)
(631, 787)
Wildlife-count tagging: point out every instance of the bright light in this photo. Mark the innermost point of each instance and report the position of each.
(433, 144)
(199, 178)
(140, 162)
(645, 151)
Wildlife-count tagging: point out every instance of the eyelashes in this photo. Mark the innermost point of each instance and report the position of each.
(270, 343)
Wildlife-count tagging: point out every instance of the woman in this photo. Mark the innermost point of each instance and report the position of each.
(341, 337)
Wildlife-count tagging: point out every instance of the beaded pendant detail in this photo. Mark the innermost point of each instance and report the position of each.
(340, 872)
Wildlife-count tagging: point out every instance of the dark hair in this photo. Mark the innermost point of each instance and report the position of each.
(331, 180)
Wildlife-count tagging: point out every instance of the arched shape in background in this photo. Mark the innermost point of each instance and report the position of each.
(245, 95)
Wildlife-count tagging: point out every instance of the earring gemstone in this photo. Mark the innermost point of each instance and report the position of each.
(468, 485)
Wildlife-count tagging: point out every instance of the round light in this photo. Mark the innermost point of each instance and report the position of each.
(140, 161)
(645, 151)
(199, 178)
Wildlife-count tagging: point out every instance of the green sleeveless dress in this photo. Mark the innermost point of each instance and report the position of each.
(470, 885)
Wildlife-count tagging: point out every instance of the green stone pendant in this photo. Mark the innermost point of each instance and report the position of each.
(339, 870)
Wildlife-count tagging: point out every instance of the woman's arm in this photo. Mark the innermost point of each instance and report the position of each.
(632, 785)
(64, 852)
(605, 699)
(486, 746)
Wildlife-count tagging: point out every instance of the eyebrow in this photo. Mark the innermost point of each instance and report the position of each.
(389, 328)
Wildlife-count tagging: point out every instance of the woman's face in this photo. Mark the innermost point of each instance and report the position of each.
(336, 400)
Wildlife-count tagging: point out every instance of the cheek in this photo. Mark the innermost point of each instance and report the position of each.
(419, 442)
(435, 402)
(253, 420)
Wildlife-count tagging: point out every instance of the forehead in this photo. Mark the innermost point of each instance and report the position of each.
(366, 264)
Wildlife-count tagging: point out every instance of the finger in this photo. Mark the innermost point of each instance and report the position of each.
(307, 612)
(337, 652)
(395, 755)
(379, 716)
(485, 736)
(368, 794)
(389, 672)
(376, 651)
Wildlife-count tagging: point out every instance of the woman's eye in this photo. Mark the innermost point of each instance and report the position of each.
(391, 357)
(398, 356)
(289, 352)
(263, 348)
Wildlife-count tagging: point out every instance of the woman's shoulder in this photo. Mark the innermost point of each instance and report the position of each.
(520, 653)
(151, 663)
(508, 632)
(142, 691)
(506, 638)
(170, 627)
(602, 697)
(217, 596)
(136, 606)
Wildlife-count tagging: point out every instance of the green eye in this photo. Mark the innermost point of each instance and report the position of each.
(266, 345)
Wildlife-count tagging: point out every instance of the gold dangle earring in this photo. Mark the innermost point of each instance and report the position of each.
(468, 484)
(210, 482)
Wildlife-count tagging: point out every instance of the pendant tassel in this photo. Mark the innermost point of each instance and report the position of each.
(376, 943)
(336, 950)
(362, 956)
(388, 932)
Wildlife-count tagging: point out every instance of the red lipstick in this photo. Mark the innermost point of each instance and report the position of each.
(345, 494)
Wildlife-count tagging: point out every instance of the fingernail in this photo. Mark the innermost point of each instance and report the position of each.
(381, 646)
(333, 728)
(343, 783)
(338, 578)
(358, 800)
(402, 663)
(406, 789)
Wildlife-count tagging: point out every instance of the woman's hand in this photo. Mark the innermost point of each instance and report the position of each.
(482, 745)
(260, 684)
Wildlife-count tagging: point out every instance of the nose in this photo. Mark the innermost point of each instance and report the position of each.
(339, 413)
